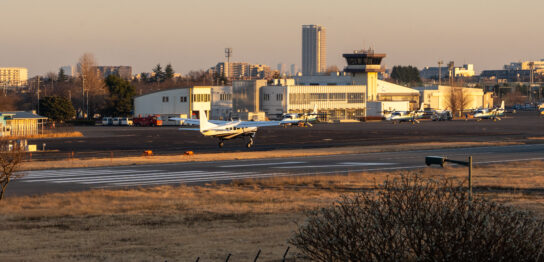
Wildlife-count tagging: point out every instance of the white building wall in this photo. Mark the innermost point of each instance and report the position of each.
(221, 104)
(182, 102)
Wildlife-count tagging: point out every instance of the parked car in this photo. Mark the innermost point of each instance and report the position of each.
(116, 121)
(125, 121)
(107, 121)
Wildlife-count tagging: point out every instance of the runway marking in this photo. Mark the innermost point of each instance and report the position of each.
(101, 178)
(265, 164)
(231, 176)
(343, 164)
(79, 173)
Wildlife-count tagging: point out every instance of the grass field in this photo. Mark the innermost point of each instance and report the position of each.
(182, 223)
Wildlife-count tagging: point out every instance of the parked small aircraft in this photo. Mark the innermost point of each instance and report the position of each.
(490, 113)
(442, 115)
(297, 119)
(226, 130)
(406, 116)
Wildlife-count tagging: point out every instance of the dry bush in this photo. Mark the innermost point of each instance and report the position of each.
(417, 219)
(10, 162)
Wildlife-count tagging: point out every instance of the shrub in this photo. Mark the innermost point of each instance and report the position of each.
(418, 219)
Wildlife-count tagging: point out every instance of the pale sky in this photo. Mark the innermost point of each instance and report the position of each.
(43, 35)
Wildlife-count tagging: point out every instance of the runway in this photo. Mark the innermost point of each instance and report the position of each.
(65, 180)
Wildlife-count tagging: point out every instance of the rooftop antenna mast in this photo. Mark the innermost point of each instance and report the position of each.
(228, 54)
(440, 63)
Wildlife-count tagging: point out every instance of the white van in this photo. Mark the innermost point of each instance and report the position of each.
(125, 121)
(107, 121)
(116, 121)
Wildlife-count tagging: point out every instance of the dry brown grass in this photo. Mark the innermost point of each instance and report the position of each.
(50, 135)
(141, 160)
(179, 223)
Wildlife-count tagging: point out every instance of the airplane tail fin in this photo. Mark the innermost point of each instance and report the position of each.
(421, 107)
(315, 109)
(204, 124)
(502, 104)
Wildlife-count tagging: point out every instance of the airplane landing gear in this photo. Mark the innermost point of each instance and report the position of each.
(221, 144)
(250, 143)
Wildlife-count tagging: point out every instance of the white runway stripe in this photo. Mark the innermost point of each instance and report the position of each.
(155, 178)
(116, 177)
(55, 174)
(265, 164)
(230, 176)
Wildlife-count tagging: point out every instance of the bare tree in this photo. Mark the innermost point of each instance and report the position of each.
(452, 101)
(93, 83)
(458, 100)
(10, 162)
(465, 99)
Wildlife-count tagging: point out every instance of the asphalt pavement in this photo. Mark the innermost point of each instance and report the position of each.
(65, 180)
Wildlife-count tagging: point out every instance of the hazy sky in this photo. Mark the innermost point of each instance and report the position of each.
(43, 35)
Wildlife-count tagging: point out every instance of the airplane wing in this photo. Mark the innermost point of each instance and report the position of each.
(264, 123)
(196, 122)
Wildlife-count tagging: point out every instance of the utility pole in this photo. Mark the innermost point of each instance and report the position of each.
(38, 92)
(451, 71)
(83, 94)
(440, 62)
(531, 80)
(87, 103)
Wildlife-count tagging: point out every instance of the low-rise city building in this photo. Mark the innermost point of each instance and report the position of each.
(179, 102)
(13, 76)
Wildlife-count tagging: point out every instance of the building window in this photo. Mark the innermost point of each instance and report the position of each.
(165, 99)
(266, 97)
(355, 97)
(201, 97)
(183, 99)
(279, 97)
(225, 97)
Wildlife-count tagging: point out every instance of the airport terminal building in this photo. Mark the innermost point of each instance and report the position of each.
(333, 102)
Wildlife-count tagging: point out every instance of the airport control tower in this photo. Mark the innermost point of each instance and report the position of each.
(364, 65)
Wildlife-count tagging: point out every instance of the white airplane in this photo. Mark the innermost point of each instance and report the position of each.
(490, 113)
(406, 116)
(296, 119)
(442, 115)
(226, 130)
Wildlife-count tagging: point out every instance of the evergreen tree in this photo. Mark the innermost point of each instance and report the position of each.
(159, 74)
(62, 76)
(168, 72)
(144, 77)
(121, 96)
(406, 75)
(57, 108)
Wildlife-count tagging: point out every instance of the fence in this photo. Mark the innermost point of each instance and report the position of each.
(257, 256)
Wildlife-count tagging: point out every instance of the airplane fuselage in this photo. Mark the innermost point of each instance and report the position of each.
(230, 133)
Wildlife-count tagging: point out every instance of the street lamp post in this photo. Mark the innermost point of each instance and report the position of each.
(440, 160)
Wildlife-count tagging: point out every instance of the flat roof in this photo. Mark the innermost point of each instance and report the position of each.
(23, 115)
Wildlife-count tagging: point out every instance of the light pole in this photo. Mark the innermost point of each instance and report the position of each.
(440, 160)
(38, 92)
(440, 62)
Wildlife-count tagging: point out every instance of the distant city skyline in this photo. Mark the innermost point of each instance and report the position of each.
(191, 35)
